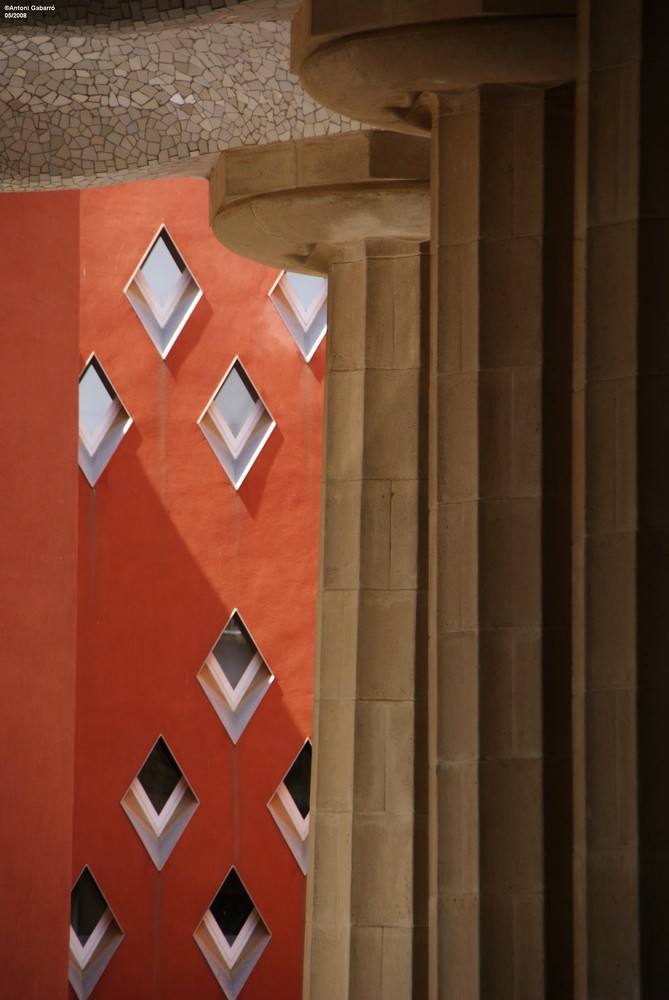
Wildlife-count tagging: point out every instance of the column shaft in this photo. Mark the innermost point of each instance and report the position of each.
(622, 540)
(357, 207)
(365, 937)
(499, 522)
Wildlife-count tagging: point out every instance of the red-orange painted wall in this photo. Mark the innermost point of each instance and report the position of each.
(167, 549)
(39, 290)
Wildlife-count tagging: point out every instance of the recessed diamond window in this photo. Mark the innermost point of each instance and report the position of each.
(163, 292)
(159, 803)
(232, 935)
(236, 423)
(94, 934)
(235, 677)
(290, 806)
(103, 420)
(302, 303)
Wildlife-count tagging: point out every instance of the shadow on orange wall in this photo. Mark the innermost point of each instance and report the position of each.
(168, 549)
(148, 617)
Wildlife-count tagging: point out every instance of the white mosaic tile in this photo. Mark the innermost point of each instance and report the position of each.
(79, 108)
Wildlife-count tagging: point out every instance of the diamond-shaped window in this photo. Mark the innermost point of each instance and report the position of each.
(103, 420)
(236, 423)
(159, 803)
(232, 935)
(302, 303)
(163, 292)
(235, 677)
(94, 934)
(290, 805)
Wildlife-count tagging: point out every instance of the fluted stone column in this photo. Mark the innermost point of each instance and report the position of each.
(500, 532)
(489, 89)
(365, 936)
(621, 503)
(357, 208)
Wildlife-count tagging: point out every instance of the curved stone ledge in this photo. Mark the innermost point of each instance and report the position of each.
(325, 19)
(298, 205)
(87, 109)
(377, 76)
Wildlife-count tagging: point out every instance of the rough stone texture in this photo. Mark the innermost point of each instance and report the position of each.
(502, 924)
(498, 607)
(366, 909)
(372, 586)
(84, 108)
(376, 61)
(621, 528)
(371, 185)
(103, 14)
(350, 16)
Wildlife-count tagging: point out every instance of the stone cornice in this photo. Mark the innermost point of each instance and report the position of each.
(302, 204)
(377, 74)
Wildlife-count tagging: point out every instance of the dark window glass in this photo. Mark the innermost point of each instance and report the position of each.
(234, 651)
(232, 906)
(87, 904)
(159, 775)
(298, 779)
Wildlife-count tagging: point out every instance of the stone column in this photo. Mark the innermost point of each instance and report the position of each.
(488, 89)
(357, 208)
(621, 502)
(500, 535)
(363, 929)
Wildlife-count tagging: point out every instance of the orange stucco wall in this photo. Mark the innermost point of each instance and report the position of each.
(39, 284)
(167, 550)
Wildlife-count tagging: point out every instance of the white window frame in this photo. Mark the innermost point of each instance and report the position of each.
(92, 442)
(232, 964)
(300, 822)
(305, 318)
(96, 450)
(235, 443)
(231, 952)
(159, 820)
(160, 832)
(84, 952)
(163, 324)
(228, 447)
(236, 706)
(293, 826)
(234, 696)
(87, 962)
(306, 327)
(161, 312)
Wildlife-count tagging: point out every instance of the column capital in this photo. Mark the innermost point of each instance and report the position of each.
(300, 205)
(373, 64)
